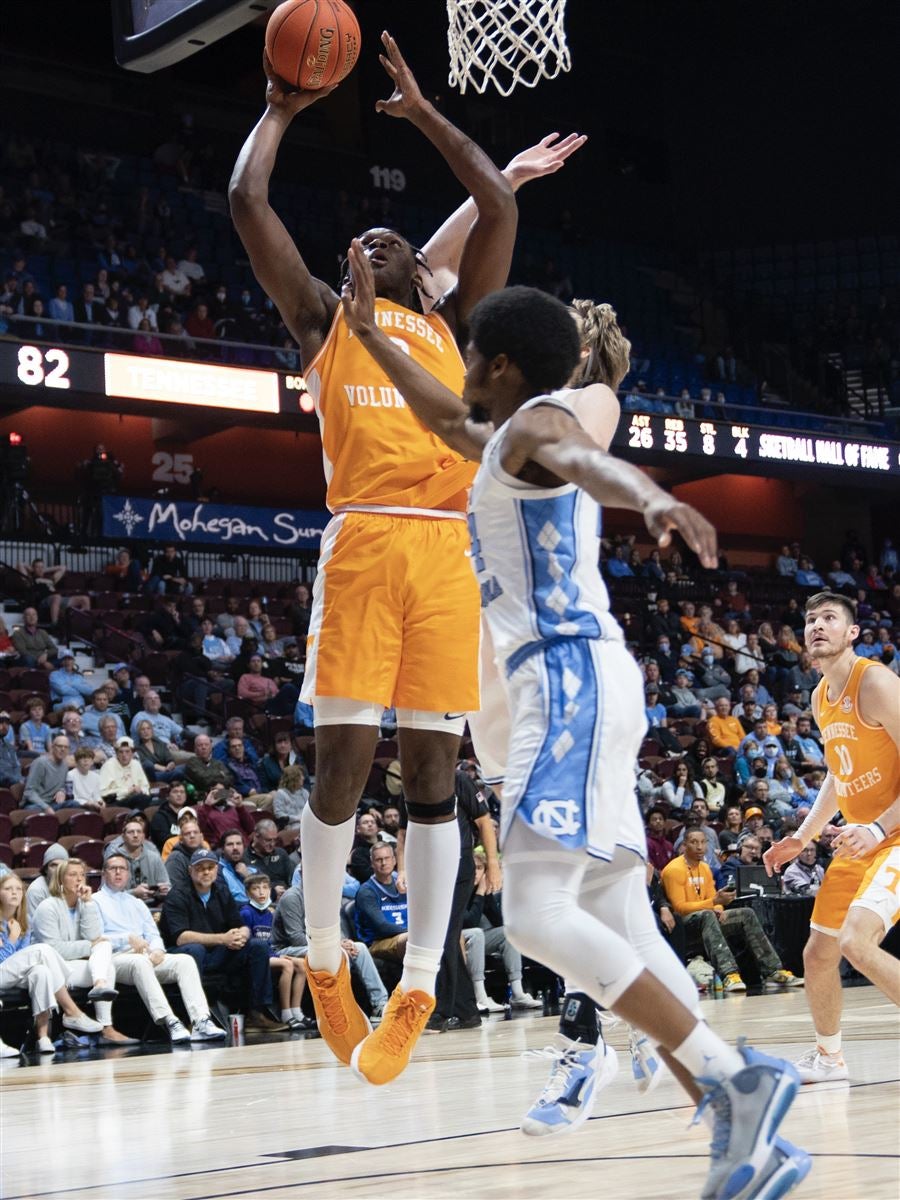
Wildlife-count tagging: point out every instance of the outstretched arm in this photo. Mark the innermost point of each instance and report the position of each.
(305, 303)
(444, 248)
(487, 251)
(441, 410)
(554, 440)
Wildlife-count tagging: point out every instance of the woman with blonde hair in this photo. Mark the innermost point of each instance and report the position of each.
(36, 967)
(70, 923)
(291, 798)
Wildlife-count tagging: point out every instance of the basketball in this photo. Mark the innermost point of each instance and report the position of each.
(312, 43)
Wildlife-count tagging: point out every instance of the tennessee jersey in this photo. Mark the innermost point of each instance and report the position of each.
(862, 758)
(376, 451)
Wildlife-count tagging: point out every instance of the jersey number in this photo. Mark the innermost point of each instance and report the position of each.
(846, 762)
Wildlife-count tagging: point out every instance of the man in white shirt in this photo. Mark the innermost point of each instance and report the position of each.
(123, 777)
(141, 960)
(174, 280)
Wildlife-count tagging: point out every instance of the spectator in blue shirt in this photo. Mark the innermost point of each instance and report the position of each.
(807, 576)
(617, 567)
(67, 685)
(164, 728)
(866, 648)
(99, 708)
(656, 712)
(234, 728)
(381, 908)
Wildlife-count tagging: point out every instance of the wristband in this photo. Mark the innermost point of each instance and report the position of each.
(876, 830)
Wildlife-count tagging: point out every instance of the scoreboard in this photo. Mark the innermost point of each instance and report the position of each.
(662, 439)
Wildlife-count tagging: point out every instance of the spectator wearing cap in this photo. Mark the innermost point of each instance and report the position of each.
(122, 779)
(149, 878)
(655, 712)
(753, 819)
(200, 918)
(67, 684)
(725, 731)
(164, 822)
(686, 703)
(39, 888)
(10, 771)
(45, 784)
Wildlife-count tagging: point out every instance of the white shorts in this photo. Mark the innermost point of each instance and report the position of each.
(334, 710)
(490, 728)
(578, 720)
(880, 891)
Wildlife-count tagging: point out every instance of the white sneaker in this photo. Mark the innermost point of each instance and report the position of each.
(206, 1030)
(489, 1005)
(646, 1065)
(82, 1024)
(816, 1066)
(8, 1051)
(579, 1071)
(523, 1000)
(178, 1035)
(45, 1046)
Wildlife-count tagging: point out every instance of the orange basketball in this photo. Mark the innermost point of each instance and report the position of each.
(312, 43)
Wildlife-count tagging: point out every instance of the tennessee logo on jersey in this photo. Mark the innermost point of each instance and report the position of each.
(376, 450)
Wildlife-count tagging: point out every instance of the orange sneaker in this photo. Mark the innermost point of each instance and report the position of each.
(341, 1021)
(385, 1053)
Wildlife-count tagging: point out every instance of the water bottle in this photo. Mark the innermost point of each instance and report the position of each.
(718, 987)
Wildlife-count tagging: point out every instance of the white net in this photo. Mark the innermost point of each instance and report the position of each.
(506, 42)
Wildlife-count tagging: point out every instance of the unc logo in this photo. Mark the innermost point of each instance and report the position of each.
(557, 817)
(847, 705)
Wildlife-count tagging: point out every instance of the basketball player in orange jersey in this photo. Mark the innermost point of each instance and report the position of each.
(395, 606)
(857, 708)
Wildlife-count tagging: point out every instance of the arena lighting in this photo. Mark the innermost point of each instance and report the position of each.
(15, 439)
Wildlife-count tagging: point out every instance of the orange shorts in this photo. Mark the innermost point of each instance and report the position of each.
(845, 882)
(880, 890)
(395, 614)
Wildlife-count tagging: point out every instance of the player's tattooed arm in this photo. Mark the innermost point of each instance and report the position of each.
(306, 304)
(552, 438)
(436, 406)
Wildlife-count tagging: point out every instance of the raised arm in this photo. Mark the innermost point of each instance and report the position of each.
(550, 437)
(487, 249)
(305, 303)
(444, 248)
(436, 406)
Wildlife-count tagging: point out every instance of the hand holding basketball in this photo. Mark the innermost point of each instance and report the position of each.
(543, 159)
(285, 100)
(406, 97)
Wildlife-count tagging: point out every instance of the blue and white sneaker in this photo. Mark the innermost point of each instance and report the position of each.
(646, 1065)
(747, 1110)
(788, 1165)
(579, 1072)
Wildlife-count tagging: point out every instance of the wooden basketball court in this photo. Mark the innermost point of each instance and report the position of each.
(281, 1119)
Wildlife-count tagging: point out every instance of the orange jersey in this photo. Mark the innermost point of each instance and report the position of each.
(862, 758)
(376, 450)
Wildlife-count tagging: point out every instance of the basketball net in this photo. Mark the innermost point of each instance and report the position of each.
(505, 42)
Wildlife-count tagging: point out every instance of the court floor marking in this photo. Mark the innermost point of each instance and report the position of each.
(274, 1158)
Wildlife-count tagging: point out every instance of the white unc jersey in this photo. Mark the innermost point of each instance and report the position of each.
(575, 693)
(536, 555)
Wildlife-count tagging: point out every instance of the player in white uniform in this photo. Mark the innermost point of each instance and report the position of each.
(573, 839)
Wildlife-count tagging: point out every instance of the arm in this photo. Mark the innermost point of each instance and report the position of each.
(819, 815)
(488, 247)
(443, 249)
(879, 704)
(493, 874)
(435, 405)
(550, 437)
(49, 929)
(306, 305)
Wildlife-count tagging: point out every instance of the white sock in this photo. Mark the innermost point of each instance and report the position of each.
(481, 996)
(706, 1056)
(516, 988)
(432, 862)
(324, 850)
(287, 1014)
(296, 1013)
(831, 1044)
